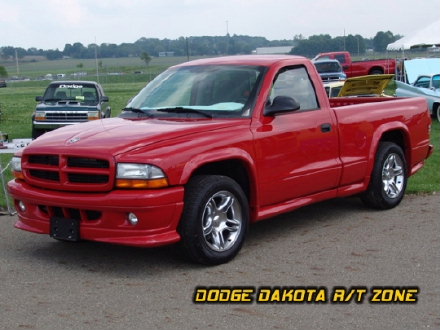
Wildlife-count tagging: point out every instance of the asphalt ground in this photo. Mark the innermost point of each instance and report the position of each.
(46, 284)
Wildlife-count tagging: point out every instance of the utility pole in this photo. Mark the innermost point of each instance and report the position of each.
(187, 49)
(357, 39)
(227, 37)
(96, 61)
(344, 39)
(16, 63)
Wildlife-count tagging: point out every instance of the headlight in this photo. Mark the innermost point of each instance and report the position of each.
(16, 164)
(40, 115)
(93, 115)
(141, 176)
(16, 167)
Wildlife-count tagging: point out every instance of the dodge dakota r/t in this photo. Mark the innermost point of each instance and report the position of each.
(212, 145)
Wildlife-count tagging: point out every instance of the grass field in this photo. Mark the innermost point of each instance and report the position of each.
(17, 102)
(428, 178)
(32, 68)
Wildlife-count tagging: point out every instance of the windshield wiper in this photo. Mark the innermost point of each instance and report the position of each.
(140, 112)
(134, 110)
(185, 110)
(53, 100)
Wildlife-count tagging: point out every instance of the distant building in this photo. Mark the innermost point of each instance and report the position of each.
(273, 50)
(166, 54)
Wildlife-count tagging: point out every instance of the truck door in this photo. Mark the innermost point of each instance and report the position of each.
(297, 152)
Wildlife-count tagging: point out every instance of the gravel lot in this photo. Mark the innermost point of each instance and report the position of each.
(45, 284)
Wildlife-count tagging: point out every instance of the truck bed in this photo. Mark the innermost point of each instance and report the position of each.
(336, 102)
(362, 123)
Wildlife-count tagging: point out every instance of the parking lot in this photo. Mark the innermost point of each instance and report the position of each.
(46, 284)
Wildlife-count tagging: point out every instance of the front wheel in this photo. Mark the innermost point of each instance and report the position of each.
(108, 112)
(215, 219)
(36, 133)
(389, 178)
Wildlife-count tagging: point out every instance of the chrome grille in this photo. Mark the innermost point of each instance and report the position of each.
(66, 116)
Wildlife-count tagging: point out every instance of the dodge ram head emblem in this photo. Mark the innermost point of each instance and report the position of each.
(74, 140)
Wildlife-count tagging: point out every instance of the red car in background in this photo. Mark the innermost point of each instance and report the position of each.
(359, 68)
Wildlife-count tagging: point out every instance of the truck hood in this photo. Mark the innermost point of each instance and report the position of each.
(117, 135)
(366, 85)
(420, 66)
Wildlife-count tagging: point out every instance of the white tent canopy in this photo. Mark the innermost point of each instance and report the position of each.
(429, 35)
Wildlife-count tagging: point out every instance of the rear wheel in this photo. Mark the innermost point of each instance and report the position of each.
(215, 219)
(436, 112)
(389, 178)
(376, 71)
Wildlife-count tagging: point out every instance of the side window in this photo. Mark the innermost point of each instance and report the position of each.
(340, 58)
(295, 82)
(422, 82)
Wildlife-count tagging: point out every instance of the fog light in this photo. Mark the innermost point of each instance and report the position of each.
(132, 218)
(21, 206)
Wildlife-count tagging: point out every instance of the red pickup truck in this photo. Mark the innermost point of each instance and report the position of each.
(360, 68)
(212, 145)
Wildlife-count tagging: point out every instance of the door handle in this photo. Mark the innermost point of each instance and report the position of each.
(325, 128)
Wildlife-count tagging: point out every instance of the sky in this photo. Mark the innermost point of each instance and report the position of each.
(50, 24)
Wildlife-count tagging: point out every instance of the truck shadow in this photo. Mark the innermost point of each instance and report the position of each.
(327, 213)
(118, 260)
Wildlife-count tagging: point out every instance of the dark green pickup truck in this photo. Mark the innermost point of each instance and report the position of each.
(69, 102)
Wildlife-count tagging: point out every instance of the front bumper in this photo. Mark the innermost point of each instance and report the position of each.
(48, 125)
(103, 217)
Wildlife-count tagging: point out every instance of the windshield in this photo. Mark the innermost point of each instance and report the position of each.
(220, 91)
(436, 81)
(328, 67)
(83, 93)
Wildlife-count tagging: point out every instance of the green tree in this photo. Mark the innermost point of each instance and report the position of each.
(146, 58)
(54, 54)
(10, 52)
(355, 44)
(3, 72)
(77, 50)
(382, 39)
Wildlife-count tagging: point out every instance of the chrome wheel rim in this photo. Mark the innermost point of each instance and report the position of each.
(222, 221)
(393, 178)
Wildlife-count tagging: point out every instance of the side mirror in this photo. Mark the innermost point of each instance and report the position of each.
(281, 104)
(345, 67)
(104, 99)
(39, 98)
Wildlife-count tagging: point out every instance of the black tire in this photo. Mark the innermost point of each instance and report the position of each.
(376, 71)
(108, 112)
(389, 178)
(436, 112)
(36, 133)
(214, 239)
